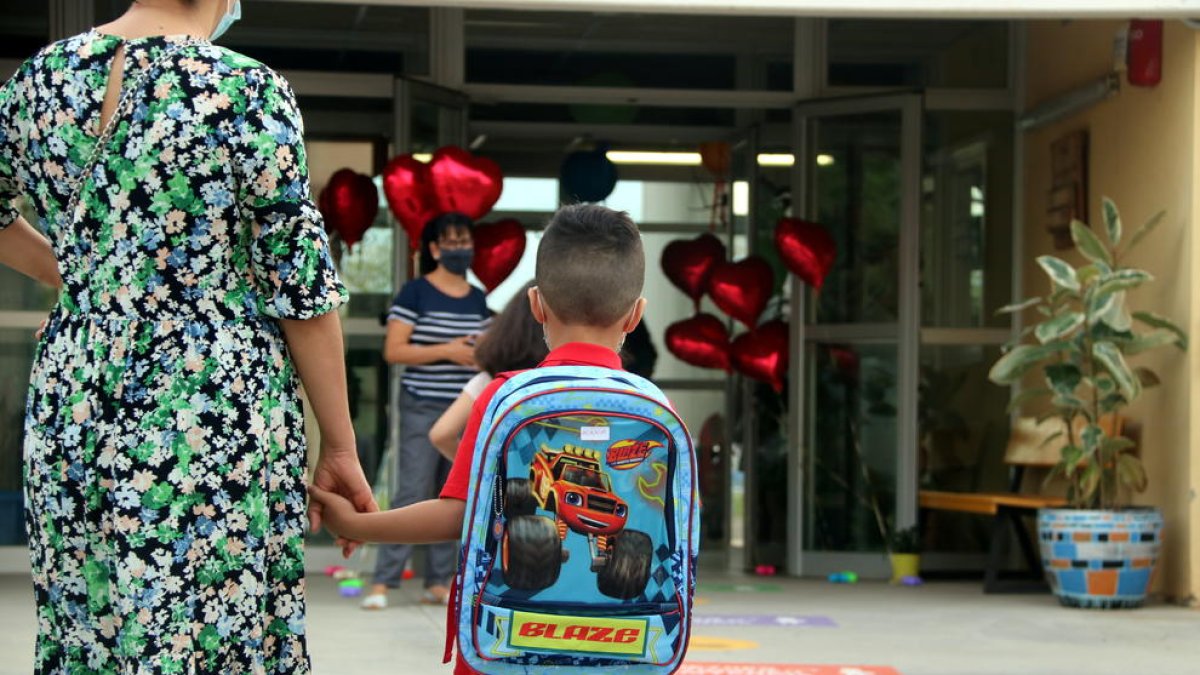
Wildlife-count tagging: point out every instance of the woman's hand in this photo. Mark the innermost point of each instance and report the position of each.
(337, 512)
(461, 351)
(339, 472)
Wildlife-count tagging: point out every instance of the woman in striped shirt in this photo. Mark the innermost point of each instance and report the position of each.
(431, 329)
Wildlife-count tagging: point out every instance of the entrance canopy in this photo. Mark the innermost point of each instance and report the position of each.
(933, 9)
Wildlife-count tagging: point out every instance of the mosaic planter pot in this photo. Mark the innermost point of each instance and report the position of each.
(1100, 559)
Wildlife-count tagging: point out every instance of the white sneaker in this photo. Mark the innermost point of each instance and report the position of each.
(375, 601)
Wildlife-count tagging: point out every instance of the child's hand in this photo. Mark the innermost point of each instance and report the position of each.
(338, 515)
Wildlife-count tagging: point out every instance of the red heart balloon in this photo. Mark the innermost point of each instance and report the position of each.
(407, 186)
(807, 249)
(688, 263)
(701, 341)
(349, 203)
(763, 354)
(742, 289)
(464, 183)
(498, 249)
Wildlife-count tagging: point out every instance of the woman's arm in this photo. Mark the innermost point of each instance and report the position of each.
(445, 432)
(398, 350)
(25, 250)
(316, 347)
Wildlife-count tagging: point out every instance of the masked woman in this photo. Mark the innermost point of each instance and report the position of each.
(164, 438)
(431, 329)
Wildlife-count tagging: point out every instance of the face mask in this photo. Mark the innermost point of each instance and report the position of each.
(230, 18)
(457, 261)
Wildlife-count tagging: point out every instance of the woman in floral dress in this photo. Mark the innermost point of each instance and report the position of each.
(164, 452)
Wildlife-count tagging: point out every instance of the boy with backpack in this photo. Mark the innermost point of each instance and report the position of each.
(573, 487)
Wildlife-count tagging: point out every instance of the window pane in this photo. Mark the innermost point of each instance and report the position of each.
(966, 219)
(852, 435)
(935, 53)
(963, 432)
(856, 175)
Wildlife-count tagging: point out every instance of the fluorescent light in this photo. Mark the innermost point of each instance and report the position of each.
(776, 159)
(422, 157)
(741, 198)
(663, 158)
(825, 160)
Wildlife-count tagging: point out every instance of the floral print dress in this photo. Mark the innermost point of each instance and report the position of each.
(164, 453)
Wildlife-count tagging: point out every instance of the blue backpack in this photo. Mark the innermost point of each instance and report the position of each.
(581, 530)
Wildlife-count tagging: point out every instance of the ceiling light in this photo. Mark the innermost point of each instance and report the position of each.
(776, 159)
(825, 160)
(662, 158)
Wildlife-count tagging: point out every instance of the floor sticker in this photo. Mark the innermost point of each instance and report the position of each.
(780, 669)
(701, 643)
(786, 621)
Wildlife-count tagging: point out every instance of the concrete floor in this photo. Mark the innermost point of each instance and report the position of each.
(946, 628)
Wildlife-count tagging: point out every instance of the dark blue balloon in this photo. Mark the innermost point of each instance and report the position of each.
(587, 176)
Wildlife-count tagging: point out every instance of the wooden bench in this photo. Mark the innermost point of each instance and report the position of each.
(1027, 448)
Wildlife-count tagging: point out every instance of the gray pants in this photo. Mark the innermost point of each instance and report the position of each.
(422, 471)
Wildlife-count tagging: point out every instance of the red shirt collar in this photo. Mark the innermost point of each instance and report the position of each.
(583, 354)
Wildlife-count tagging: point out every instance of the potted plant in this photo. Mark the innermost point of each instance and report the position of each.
(1101, 551)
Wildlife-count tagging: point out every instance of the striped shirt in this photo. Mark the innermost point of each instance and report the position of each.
(437, 318)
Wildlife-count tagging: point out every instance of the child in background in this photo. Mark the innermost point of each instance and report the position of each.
(513, 342)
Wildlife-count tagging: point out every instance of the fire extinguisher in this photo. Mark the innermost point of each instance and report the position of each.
(1144, 58)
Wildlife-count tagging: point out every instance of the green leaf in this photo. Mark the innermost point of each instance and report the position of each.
(1025, 396)
(1089, 244)
(1131, 472)
(1072, 455)
(1088, 483)
(1063, 377)
(1115, 314)
(1060, 273)
(1112, 402)
(1069, 401)
(1058, 327)
(1156, 321)
(1013, 365)
(1112, 220)
(1099, 305)
(1152, 340)
(1121, 280)
(1117, 444)
(1087, 273)
(1109, 355)
(1146, 229)
(1092, 437)
(1147, 377)
(1019, 307)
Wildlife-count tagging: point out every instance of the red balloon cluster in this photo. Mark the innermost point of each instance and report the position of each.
(741, 290)
(349, 204)
(453, 180)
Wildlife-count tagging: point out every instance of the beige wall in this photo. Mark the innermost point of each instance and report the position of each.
(1144, 156)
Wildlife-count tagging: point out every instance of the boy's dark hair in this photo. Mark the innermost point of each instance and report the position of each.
(590, 265)
(514, 340)
(438, 227)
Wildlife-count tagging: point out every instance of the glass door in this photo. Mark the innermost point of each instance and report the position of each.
(857, 345)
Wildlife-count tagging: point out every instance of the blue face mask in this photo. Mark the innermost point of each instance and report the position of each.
(457, 261)
(230, 18)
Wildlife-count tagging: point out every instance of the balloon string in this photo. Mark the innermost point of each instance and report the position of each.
(719, 212)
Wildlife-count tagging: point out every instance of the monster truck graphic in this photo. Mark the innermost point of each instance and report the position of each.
(570, 484)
